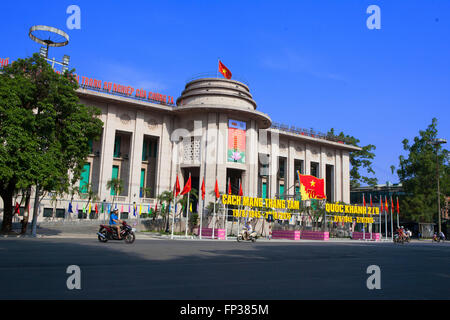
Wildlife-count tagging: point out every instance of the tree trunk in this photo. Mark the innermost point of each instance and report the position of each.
(7, 195)
(26, 213)
(35, 211)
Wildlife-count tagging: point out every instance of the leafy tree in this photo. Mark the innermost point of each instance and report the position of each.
(359, 160)
(44, 131)
(417, 173)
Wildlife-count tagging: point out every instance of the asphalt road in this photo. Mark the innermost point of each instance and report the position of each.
(182, 269)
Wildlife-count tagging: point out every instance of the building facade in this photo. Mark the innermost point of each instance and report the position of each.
(214, 132)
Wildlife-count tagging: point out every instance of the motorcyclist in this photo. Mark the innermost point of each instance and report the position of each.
(248, 229)
(400, 233)
(115, 221)
(441, 236)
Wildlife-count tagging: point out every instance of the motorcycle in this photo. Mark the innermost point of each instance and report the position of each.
(250, 237)
(438, 238)
(398, 239)
(108, 232)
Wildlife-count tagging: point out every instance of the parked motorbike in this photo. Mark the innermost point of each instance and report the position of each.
(250, 237)
(108, 232)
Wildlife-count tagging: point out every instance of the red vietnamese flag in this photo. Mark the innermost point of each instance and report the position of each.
(392, 204)
(381, 205)
(224, 70)
(364, 201)
(371, 200)
(229, 186)
(313, 186)
(386, 204)
(240, 189)
(177, 187)
(187, 187)
(203, 189)
(398, 208)
(216, 190)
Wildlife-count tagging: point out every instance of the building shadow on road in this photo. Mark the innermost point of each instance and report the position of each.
(164, 269)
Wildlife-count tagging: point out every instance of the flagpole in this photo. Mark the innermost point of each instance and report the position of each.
(239, 207)
(364, 225)
(214, 217)
(398, 223)
(385, 220)
(173, 217)
(217, 70)
(187, 214)
(392, 223)
(201, 216)
(226, 222)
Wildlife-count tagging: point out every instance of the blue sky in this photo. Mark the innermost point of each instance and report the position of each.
(312, 64)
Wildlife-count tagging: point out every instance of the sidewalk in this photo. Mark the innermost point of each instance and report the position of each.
(92, 234)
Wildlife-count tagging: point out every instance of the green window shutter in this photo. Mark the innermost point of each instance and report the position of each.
(142, 183)
(91, 149)
(282, 191)
(84, 179)
(264, 190)
(155, 149)
(144, 151)
(117, 147)
(115, 175)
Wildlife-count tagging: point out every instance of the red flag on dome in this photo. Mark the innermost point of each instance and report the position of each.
(187, 187)
(224, 70)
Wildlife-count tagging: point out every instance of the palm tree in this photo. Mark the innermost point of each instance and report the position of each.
(193, 195)
(116, 185)
(165, 198)
(90, 194)
(146, 192)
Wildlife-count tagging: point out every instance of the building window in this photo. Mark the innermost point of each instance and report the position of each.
(117, 142)
(281, 167)
(264, 190)
(84, 179)
(115, 175)
(281, 190)
(141, 192)
(315, 169)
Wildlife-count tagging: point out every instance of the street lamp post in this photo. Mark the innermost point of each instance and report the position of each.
(437, 142)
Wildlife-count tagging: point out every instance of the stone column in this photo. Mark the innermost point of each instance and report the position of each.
(273, 166)
(107, 152)
(290, 168)
(164, 156)
(346, 176)
(307, 159)
(136, 157)
(251, 181)
(338, 175)
(222, 143)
